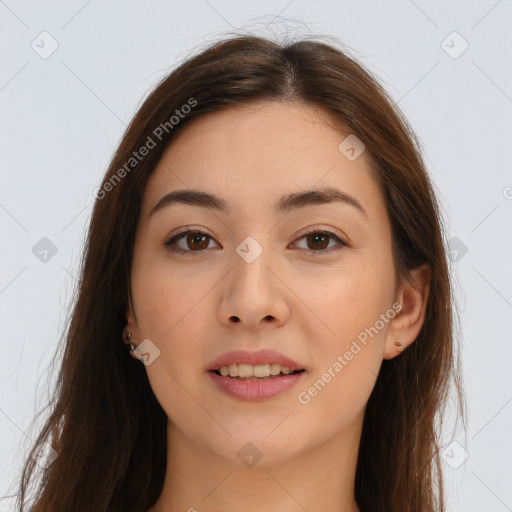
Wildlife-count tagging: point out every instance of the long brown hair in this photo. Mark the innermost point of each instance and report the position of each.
(106, 425)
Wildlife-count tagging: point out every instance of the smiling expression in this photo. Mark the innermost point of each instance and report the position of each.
(235, 250)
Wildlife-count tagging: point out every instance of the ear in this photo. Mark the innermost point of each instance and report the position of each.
(131, 327)
(406, 325)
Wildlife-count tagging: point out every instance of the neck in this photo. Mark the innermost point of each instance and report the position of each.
(319, 479)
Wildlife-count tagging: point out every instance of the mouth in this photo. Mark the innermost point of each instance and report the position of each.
(247, 375)
(256, 373)
(255, 383)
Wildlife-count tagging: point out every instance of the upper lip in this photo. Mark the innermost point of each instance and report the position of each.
(264, 356)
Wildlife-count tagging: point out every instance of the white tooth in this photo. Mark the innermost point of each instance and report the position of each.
(244, 370)
(261, 370)
(275, 369)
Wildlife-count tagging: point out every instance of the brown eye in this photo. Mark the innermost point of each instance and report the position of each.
(192, 241)
(196, 241)
(318, 241)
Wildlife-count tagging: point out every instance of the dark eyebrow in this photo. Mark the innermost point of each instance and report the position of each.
(317, 196)
(284, 205)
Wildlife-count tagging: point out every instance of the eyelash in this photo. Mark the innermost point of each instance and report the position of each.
(170, 243)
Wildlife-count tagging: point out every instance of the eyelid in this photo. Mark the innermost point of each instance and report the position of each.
(324, 229)
(174, 237)
(341, 240)
(187, 229)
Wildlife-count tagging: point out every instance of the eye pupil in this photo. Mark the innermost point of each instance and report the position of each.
(194, 238)
(315, 238)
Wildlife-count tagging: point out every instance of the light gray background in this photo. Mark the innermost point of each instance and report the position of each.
(61, 118)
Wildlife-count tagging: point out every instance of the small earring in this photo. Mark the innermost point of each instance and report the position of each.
(398, 343)
(131, 345)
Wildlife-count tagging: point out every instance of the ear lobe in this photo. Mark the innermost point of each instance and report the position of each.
(407, 324)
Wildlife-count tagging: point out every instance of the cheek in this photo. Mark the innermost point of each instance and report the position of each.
(165, 298)
(168, 308)
(163, 307)
(352, 298)
(348, 361)
(349, 353)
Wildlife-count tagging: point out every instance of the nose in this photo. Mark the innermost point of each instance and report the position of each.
(253, 295)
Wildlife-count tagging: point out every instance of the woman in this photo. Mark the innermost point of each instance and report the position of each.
(267, 242)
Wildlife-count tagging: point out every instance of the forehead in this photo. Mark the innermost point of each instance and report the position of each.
(260, 151)
(274, 131)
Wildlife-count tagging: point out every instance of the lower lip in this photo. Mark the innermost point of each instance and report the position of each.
(255, 390)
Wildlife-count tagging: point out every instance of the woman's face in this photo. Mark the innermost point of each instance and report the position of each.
(255, 279)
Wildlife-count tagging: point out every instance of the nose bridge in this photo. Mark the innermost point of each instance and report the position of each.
(251, 261)
(252, 293)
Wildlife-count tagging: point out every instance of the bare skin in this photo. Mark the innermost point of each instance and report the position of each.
(298, 297)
